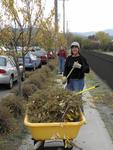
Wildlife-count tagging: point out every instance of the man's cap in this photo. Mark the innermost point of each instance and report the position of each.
(76, 44)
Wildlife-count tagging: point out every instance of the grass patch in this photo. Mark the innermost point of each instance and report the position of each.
(103, 94)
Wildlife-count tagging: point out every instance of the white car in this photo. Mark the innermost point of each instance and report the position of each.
(8, 71)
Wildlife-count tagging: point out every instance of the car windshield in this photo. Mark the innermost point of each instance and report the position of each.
(37, 49)
(40, 53)
(2, 61)
(27, 59)
(31, 55)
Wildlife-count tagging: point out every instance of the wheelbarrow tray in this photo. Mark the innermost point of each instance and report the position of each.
(54, 130)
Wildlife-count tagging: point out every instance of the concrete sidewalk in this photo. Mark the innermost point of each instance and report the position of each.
(93, 135)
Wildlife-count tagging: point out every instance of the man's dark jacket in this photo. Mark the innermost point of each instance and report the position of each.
(76, 73)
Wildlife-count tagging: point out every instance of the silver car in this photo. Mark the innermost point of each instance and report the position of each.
(8, 71)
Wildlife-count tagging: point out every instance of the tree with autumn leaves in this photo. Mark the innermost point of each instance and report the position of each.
(25, 25)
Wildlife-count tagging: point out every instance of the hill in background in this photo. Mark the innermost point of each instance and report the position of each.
(109, 31)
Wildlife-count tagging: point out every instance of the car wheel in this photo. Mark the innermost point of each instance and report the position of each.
(10, 85)
(34, 68)
(40, 65)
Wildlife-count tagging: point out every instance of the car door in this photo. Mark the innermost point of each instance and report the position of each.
(34, 59)
(37, 59)
(12, 66)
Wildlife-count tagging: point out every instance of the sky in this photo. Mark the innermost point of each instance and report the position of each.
(84, 15)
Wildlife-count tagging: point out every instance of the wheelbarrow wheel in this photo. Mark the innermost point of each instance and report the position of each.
(68, 148)
(40, 145)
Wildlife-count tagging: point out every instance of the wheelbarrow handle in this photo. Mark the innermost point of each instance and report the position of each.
(88, 89)
(68, 75)
(70, 72)
(78, 93)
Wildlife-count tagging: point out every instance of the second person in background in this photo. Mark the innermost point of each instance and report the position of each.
(62, 54)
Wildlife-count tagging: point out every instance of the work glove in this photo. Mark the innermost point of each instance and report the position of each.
(76, 65)
(64, 80)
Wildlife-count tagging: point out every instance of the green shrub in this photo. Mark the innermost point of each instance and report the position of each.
(7, 122)
(28, 89)
(14, 104)
(45, 71)
(52, 65)
(28, 73)
(38, 82)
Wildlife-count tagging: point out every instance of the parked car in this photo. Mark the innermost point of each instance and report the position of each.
(8, 71)
(31, 61)
(42, 54)
(50, 55)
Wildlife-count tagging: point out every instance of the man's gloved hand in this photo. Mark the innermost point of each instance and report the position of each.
(64, 80)
(76, 65)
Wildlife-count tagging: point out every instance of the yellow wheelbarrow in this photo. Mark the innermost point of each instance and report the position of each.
(65, 131)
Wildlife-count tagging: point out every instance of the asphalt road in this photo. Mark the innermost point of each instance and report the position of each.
(3, 91)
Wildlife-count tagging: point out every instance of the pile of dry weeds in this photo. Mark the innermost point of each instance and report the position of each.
(54, 105)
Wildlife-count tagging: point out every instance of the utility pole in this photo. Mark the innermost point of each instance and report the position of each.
(56, 15)
(67, 30)
(56, 23)
(64, 16)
